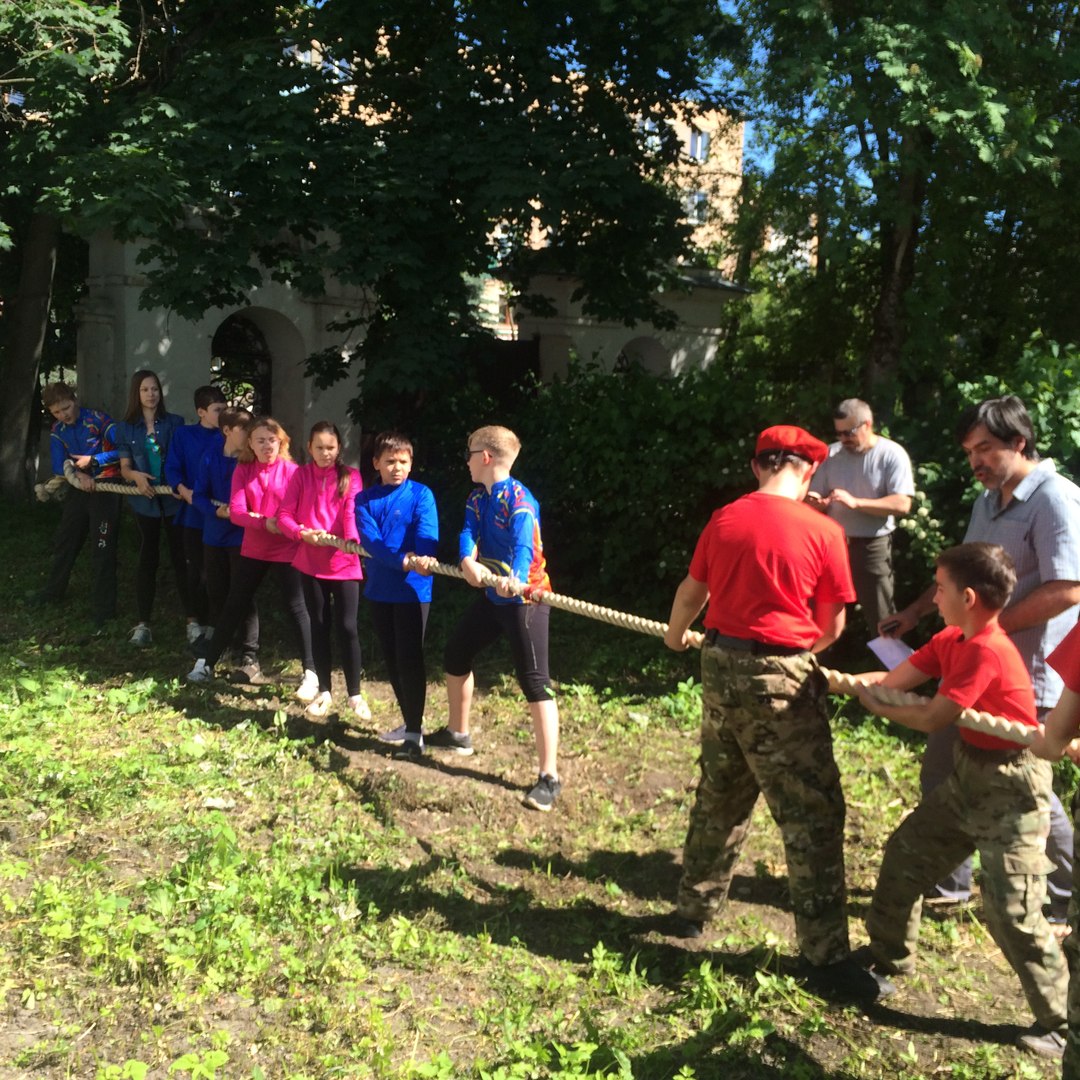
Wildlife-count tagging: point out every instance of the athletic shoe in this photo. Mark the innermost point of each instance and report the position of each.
(848, 981)
(676, 925)
(247, 671)
(359, 707)
(409, 750)
(308, 689)
(194, 632)
(141, 636)
(395, 736)
(445, 739)
(321, 705)
(543, 795)
(201, 672)
(1049, 1044)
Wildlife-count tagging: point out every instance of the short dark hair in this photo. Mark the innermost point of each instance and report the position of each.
(775, 460)
(390, 442)
(230, 418)
(986, 569)
(205, 396)
(1006, 418)
(57, 393)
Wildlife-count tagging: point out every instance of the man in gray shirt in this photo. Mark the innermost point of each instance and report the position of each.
(1034, 514)
(865, 484)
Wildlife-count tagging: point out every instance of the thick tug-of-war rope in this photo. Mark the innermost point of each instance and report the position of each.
(839, 682)
(110, 487)
(987, 723)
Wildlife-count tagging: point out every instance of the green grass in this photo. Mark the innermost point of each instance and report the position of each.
(200, 884)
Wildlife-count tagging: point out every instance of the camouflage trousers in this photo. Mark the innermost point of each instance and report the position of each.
(1070, 1068)
(1001, 806)
(765, 728)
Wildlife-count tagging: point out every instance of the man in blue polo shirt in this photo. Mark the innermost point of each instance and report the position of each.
(1034, 514)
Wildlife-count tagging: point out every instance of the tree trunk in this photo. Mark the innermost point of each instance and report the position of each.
(899, 241)
(27, 320)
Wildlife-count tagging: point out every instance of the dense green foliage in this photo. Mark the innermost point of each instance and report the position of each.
(912, 167)
(628, 468)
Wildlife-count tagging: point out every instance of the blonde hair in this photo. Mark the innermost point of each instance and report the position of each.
(500, 442)
(268, 422)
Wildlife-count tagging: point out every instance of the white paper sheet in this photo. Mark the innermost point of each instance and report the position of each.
(891, 651)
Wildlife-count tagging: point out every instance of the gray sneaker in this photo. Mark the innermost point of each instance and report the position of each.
(395, 736)
(141, 636)
(1037, 1040)
(445, 739)
(543, 795)
(201, 672)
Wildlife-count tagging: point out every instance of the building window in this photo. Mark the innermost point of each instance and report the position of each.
(699, 144)
(696, 205)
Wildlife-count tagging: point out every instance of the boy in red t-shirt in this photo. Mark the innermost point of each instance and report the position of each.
(996, 800)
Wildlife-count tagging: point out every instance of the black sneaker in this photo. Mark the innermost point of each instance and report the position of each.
(676, 925)
(247, 671)
(1037, 1040)
(543, 795)
(848, 981)
(445, 739)
(409, 750)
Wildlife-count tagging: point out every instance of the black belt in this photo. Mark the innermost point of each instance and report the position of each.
(747, 645)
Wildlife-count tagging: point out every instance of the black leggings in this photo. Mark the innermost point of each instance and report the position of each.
(246, 580)
(220, 564)
(334, 603)
(526, 628)
(196, 580)
(400, 629)
(150, 530)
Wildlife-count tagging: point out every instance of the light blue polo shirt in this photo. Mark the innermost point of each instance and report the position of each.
(1040, 529)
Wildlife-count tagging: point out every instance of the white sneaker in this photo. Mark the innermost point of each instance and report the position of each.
(194, 632)
(201, 672)
(308, 689)
(360, 707)
(141, 635)
(321, 705)
(395, 736)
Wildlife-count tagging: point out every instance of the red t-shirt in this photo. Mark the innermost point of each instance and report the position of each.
(1065, 659)
(983, 672)
(765, 559)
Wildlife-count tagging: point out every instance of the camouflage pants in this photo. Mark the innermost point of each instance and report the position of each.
(1002, 808)
(1070, 1068)
(765, 728)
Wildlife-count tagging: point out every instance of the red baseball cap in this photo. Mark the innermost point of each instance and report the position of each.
(794, 440)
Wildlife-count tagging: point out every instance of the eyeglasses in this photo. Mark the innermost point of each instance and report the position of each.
(849, 433)
(469, 454)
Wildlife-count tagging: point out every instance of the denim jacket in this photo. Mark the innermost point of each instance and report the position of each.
(131, 442)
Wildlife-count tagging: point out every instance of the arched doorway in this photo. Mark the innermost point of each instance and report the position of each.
(241, 364)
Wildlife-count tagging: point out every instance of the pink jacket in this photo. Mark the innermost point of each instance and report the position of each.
(311, 501)
(258, 488)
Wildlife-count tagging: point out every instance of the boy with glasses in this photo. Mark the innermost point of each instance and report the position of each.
(502, 535)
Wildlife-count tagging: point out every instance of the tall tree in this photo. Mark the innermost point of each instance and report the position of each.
(900, 139)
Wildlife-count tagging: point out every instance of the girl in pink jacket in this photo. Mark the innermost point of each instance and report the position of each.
(321, 498)
(263, 472)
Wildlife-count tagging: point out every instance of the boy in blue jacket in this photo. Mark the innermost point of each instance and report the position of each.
(88, 438)
(398, 523)
(186, 451)
(502, 535)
